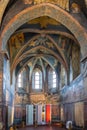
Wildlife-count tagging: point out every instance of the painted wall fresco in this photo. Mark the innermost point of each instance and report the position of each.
(85, 86)
(63, 4)
(55, 112)
(74, 99)
(19, 114)
(44, 21)
(84, 69)
(74, 112)
(1, 113)
(21, 99)
(15, 43)
(79, 112)
(37, 47)
(68, 111)
(75, 61)
(3, 4)
(85, 113)
(75, 92)
(36, 99)
(63, 77)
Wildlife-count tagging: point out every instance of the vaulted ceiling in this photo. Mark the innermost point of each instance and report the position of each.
(41, 41)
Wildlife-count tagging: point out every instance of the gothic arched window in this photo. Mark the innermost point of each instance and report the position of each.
(63, 77)
(19, 80)
(52, 81)
(22, 79)
(37, 79)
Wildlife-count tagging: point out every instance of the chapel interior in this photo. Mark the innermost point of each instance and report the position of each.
(43, 64)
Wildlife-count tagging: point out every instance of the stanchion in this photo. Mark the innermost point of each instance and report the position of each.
(49, 123)
(1, 125)
(83, 128)
(23, 124)
(35, 123)
(70, 126)
(15, 128)
(11, 128)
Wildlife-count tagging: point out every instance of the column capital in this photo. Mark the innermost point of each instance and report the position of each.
(4, 53)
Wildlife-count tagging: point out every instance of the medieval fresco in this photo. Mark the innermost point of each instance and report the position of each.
(15, 43)
(65, 44)
(85, 114)
(21, 99)
(79, 114)
(75, 92)
(84, 74)
(43, 41)
(36, 99)
(63, 78)
(0, 113)
(62, 42)
(55, 112)
(44, 21)
(75, 61)
(19, 113)
(63, 3)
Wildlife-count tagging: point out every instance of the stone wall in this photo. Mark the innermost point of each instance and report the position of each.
(1, 87)
(7, 92)
(74, 100)
(75, 92)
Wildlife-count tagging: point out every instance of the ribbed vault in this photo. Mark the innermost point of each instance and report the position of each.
(46, 10)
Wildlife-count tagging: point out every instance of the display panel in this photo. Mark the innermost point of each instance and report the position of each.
(48, 113)
(29, 114)
(55, 112)
(39, 114)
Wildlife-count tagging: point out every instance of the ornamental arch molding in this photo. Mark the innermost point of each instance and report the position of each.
(46, 9)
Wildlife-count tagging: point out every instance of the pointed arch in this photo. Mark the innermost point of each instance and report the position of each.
(46, 9)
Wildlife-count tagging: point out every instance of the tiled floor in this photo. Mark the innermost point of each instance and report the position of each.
(42, 128)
